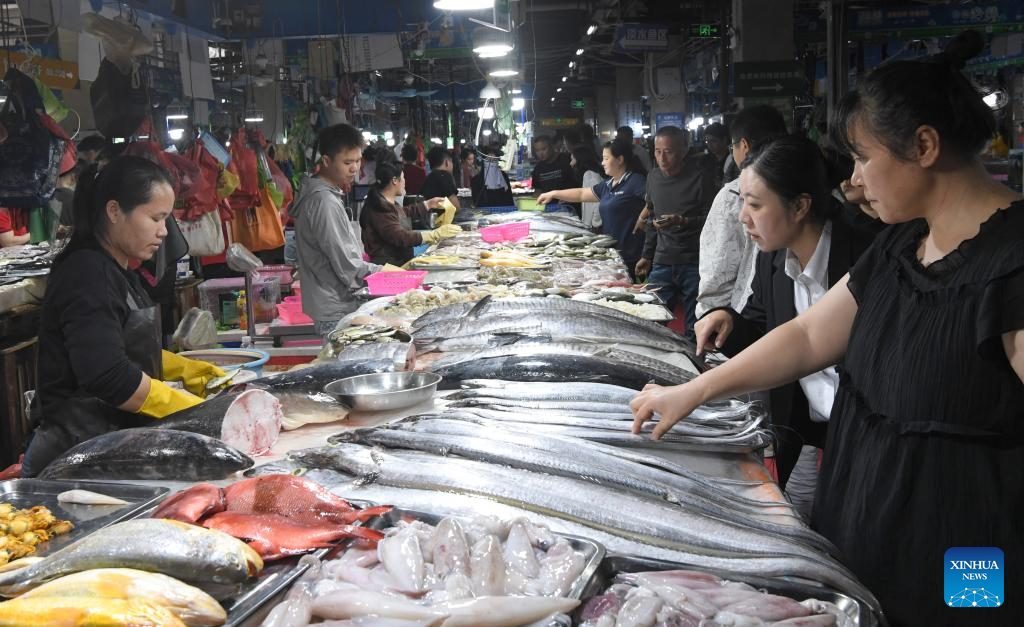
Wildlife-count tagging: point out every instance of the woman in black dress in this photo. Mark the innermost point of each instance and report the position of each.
(925, 448)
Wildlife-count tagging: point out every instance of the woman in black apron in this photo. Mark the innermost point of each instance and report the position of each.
(100, 360)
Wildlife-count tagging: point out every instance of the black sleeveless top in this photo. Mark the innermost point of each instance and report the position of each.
(926, 440)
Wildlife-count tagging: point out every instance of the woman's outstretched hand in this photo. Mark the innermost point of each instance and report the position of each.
(671, 403)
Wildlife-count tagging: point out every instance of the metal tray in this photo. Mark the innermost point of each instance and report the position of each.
(26, 493)
(615, 564)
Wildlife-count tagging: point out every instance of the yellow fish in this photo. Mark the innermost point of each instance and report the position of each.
(85, 612)
(193, 606)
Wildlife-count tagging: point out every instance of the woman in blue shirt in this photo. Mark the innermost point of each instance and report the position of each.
(621, 199)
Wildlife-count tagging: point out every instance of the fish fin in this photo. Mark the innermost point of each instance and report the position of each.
(479, 308)
(366, 479)
(431, 347)
(20, 563)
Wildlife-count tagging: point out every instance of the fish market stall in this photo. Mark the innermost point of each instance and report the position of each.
(515, 494)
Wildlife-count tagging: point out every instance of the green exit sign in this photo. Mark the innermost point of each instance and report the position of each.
(578, 104)
(703, 30)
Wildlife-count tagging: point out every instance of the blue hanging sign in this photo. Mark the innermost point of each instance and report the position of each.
(661, 120)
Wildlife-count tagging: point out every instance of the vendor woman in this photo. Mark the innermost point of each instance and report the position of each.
(388, 233)
(621, 198)
(101, 367)
(926, 436)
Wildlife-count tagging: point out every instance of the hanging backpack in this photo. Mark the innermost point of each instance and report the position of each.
(119, 101)
(30, 153)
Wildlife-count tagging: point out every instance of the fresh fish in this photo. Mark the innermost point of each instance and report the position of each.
(626, 514)
(275, 537)
(249, 421)
(401, 554)
(579, 392)
(312, 380)
(524, 307)
(61, 611)
(303, 408)
(466, 505)
(174, 548)
(192, 504)
(557, 326)
(193, 606)
(85, 497)
(615, 432)
(509, 611)
(487, 567)
(576, 460)
(350, 604)
(553, 366)
(297, 498)
(450, 548)
(158, 454)
(557, 406)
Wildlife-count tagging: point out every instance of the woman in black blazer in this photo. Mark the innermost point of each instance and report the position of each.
(806, 245)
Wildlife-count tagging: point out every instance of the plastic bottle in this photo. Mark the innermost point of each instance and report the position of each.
(243, 312)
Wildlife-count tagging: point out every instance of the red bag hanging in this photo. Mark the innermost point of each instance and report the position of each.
(185, 174)
(203, 197)
(243, 164)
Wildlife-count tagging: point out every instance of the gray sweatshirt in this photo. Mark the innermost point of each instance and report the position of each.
(330, 251)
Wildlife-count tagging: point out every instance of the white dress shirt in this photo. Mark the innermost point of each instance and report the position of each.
(809, 285)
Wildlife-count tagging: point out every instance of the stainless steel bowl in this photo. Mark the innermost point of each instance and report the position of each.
(385, 390)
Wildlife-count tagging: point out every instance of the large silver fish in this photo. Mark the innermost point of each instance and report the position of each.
(580, 463)
(618, 512)
(581, 392)
(187, 552)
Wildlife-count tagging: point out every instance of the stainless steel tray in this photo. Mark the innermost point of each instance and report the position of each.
(26, 493)
(615, 564)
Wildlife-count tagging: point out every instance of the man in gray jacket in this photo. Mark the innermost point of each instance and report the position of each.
(327, 235)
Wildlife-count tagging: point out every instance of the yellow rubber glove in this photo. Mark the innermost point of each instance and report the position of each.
(449, 212)
(163, 400)
(442, 232)
(193, 373)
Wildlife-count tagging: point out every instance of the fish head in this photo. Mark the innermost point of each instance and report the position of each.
(233, 560)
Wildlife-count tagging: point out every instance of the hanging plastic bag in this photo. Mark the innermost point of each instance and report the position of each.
(204, 235)
(31, 153)
(53, 107)
(227, 183)
(259, 227)
(202, 197)
(244, 165)
(119, 100)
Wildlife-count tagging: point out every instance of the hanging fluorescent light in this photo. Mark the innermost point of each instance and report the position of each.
(516, 90)
(559, 90)
(487, 132)
(462, 141)
(463, 5)
(695, 123)
(177, 111)
(469, 110)
(486, 113)
(564, 79)
(591, 29)
(435, 140)
(572, 64)
(490, 91)
(552, 98)
(518, 104)
(489, 43)
(253, 115)
(579, 51)
(503, 72)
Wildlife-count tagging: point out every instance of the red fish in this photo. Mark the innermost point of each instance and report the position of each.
(275, 537)
(298, 499)
(192, 504)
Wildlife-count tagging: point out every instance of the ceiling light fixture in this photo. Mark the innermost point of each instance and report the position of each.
(435, 140)
(176, 134)
(564, 79)
(516, 90)
(489, 43)
(487, 132)
(253, 115)
(503, 71)
(559, 90)
(490, 91)
(486, 113)
(177, 111)
(463, 5)
(579, 51)
(572, 64)
(591, 29)
(518, 104)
